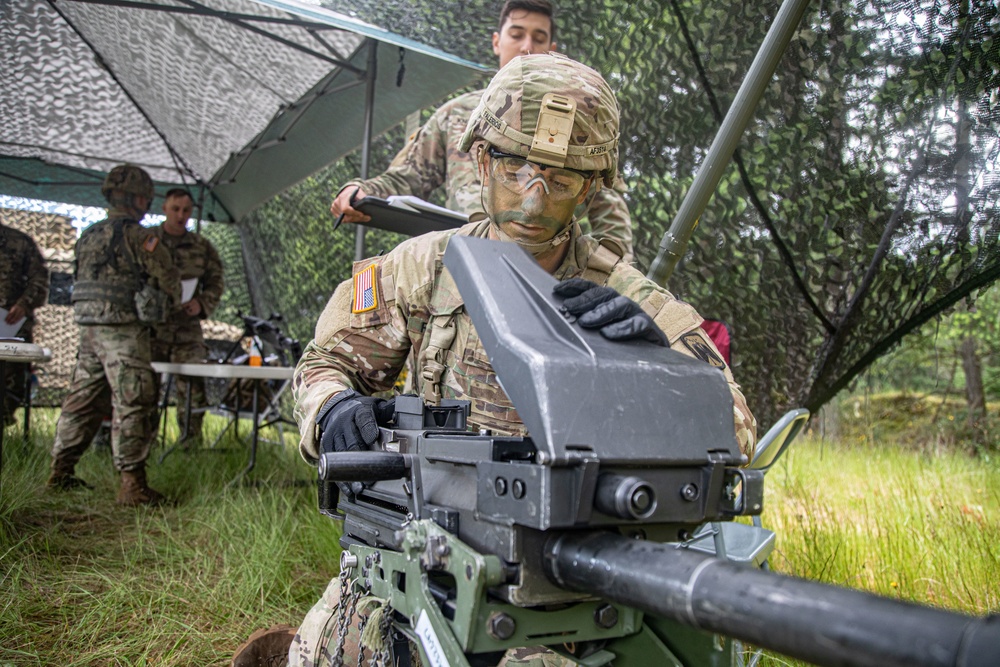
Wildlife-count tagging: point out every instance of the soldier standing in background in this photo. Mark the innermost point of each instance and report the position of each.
(124, 282)
(432, 156)
(180, 339)
(24, 286)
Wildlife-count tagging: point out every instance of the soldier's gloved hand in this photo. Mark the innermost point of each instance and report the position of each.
(349, 423)
(597, 307)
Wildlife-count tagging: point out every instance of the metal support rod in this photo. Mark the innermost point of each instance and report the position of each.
(807, 620)
(675, 240)
(371, 75)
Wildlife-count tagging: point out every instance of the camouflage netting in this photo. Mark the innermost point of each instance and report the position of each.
(55, 328)
(863, 200)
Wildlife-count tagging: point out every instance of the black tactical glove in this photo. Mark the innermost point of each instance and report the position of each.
(349, 423)
(618, 317)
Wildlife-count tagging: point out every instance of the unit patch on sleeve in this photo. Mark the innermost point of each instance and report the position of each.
(365, 291)
(693, 341)
(149, 245)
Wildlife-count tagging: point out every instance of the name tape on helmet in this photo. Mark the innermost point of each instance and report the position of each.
(497, 124)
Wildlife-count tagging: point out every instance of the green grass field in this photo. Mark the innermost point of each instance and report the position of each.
(84, 582)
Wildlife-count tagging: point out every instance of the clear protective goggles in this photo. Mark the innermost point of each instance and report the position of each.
(519, 175)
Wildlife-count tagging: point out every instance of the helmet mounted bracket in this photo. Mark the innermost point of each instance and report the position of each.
(550, 145)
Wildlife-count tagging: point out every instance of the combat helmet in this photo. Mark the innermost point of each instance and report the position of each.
(551, 110)
(130, 179)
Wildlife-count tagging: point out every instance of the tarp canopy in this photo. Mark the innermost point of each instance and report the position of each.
(235, 99)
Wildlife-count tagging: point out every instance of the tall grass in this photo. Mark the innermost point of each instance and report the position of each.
(892, 517)
(889, 521)
(84, 582)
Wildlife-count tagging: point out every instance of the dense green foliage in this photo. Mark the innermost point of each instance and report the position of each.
(929, 361)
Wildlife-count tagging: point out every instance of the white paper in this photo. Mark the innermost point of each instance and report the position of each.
(187, 289)
(9, 330)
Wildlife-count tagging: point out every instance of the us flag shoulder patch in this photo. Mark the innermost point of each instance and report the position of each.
(702, 350)
(151, 242)
(365, 294)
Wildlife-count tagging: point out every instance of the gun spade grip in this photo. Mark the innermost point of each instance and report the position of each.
(362, 466)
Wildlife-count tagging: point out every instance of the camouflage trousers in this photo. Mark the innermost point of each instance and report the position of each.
(112, 375)
(182, 352)
(316, 639)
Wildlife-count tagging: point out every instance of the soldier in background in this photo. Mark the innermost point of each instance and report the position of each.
(432, 156)
(124, 282)
(407, 300)
(180, 339)
(24, 286)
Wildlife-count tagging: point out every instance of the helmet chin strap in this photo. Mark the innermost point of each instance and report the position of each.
(534, 248)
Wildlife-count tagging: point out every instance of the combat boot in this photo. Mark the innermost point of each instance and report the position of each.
(134, 490)
(62, 477)
(265, 648)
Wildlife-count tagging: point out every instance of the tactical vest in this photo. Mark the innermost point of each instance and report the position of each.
(441, 329)
(105, 283)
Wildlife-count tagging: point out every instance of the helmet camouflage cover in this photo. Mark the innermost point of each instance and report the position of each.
(578, 110)
(128, 178)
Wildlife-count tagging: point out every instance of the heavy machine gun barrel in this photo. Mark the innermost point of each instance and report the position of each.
(823, 624)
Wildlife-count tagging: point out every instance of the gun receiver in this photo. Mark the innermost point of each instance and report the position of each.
(483, 542)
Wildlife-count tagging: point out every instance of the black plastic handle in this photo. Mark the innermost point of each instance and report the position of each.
(362, 466)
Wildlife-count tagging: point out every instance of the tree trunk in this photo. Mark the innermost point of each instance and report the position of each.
(974, 393)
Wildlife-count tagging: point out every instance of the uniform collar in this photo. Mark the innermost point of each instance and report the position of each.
(121, 214)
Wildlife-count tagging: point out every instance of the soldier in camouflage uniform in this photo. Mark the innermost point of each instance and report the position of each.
(24, 286)
(432, 156)
(180, 339)
(407, 300)
(116, 259)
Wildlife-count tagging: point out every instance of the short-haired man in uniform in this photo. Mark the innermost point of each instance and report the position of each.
(432, 156)
(180, 338)
(24, 286)
(361, 345)
(124, 281)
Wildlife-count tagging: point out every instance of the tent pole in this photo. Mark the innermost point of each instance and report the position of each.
(675, 240)
(371, 74)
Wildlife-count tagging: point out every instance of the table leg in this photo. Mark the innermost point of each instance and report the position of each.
(239, 406)
(3, 395)
(253, 438)
(164, 404)
(187, 414)
(164, 416)
(27, 406)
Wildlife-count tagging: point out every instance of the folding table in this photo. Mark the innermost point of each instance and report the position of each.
(254, 374)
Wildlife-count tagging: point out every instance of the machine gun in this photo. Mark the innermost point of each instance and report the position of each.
(288, 349)
(576, 538)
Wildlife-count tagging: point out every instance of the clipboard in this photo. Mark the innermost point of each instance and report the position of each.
(408, 215)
